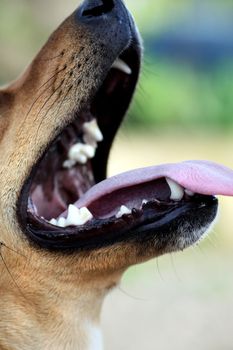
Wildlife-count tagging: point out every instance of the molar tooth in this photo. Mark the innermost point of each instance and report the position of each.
(61, 222)
(77, 217)
(189, 193)
(91, 128)
(177, 192)
(123, 211)
(122, 66)
(53, 222)
(81, 159)
(81, 152)
(68, 164)
(89, 151)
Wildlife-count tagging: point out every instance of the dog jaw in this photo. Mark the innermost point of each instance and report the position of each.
(51, 300)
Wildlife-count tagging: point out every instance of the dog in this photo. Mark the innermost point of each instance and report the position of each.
(67, 233)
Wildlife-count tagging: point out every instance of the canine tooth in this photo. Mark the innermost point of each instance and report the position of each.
(177, 192)
(53, 222)
(91, 128)
(144, 201)
(61, 222)
(189, 193)
(122, 66)
(123, 211)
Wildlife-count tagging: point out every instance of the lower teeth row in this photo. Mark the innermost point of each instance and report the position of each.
(75, 217)
(79, 217)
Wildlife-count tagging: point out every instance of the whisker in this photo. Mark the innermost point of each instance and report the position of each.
(53, 58)
(158, 269)
(41, 94)
(41, 122)
(12, 250)
(48, 99)
(53, 76)
(64, 98)
(130, 295)
(174, 268)
(11, 276)
(62, 101)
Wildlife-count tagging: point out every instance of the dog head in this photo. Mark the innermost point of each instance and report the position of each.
(57, 124)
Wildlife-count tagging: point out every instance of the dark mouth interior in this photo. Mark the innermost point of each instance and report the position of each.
(58, 181)
(55, 186)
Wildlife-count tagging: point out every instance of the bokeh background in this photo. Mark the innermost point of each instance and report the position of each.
(182, 110)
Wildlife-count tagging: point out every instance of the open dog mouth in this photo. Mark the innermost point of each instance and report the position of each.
(67, 201)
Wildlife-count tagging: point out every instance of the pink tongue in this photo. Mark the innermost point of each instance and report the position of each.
(201, 177)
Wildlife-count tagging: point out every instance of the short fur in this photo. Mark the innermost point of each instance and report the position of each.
(51, 300)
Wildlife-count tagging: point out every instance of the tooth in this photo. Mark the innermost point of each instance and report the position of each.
(91, 128)
(144, 202)
(68, 164)
(53, 222)
(61, 222)
(81, 152)
(189, 193)
(177, 192)
(89, 151)
(123, 211)
(122, 66)
(73, 217)
(89, 140)
(81, 159)
(85, 215)
(77, 217)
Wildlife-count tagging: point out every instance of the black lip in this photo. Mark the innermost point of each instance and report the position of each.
(161, 221)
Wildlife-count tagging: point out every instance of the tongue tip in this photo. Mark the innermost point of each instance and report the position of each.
(207, 178)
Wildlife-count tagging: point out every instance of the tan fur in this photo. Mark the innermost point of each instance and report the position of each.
(49, 300)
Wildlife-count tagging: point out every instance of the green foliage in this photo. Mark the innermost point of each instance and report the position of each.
(177, 95)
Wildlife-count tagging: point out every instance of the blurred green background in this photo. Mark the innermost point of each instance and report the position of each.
(182, 110)
(188, 70)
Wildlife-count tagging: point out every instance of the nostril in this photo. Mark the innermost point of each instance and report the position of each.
(98, 8)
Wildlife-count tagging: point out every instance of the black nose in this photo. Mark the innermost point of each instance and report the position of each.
(98, 11)
(108, 23)
(97, 8)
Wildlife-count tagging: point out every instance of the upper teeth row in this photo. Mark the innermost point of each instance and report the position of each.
(80, 152)
(177, 191)
(75, 217)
